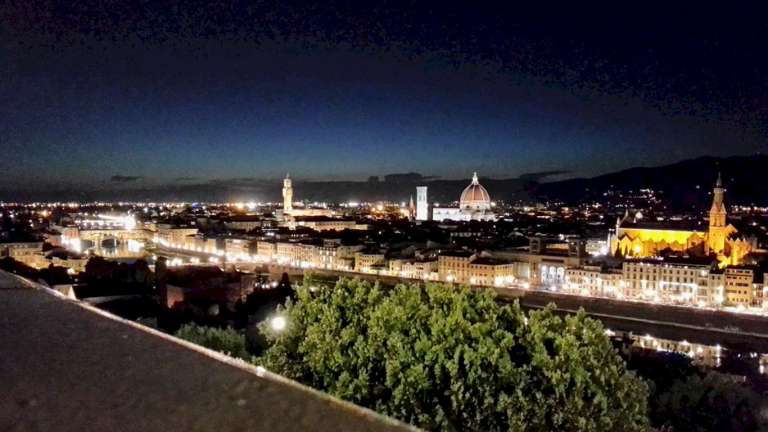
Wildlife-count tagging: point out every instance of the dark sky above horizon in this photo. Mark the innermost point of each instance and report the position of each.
(111, 95)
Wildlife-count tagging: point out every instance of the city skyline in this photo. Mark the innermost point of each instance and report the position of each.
(342, 93)
(682, 184)
(383, 215)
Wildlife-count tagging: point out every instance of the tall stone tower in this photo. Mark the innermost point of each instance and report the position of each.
(422, 205)
(717, 226)
(287, 194)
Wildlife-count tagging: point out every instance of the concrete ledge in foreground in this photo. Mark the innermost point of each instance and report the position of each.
(68, 367)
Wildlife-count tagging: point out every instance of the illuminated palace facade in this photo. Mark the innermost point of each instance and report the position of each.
(290, 212)
(635, 238)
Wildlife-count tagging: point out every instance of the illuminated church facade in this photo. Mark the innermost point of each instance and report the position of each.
(635, 238)
(474, 204)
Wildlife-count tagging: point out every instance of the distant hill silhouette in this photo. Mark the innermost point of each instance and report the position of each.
(744, 178)
(439, 190)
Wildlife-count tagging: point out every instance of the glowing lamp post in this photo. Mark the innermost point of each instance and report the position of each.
(278, 324)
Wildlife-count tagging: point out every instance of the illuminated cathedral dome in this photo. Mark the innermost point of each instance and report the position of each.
(475, 197)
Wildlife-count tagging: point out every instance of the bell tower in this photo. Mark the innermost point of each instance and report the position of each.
(287, 194)
(717, 227)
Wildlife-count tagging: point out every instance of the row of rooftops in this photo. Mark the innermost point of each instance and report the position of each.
(667, 225)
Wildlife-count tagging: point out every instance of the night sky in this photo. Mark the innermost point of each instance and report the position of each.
(119, 94)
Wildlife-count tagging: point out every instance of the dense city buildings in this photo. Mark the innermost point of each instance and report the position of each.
(481, 244)
(280, 216)
(649, 277)
(231, 264)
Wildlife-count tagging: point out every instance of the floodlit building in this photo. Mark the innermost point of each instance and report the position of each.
(199, 243)
(683, 282)
(20, 251)
(593, 281)
(328, 254)
(237, 247)
(173, 235)
(739, 290)
(370, 261)
(474, 204)
(704, 355)
(244, 222)
(468, 268)
(422, 204)
(325, 223)
(266, 250)
(72, 261)
(287, 194)
(634, 237)
(545, 261)
(289, 211)
(419, 269)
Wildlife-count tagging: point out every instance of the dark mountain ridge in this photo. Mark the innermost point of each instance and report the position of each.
(683, 184)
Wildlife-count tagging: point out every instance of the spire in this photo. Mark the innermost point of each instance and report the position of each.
(287, 175)
(474, 178)
(717, 212)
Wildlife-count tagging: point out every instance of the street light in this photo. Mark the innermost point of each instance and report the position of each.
(278, 323)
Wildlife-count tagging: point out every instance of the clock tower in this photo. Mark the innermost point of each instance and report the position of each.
(287, 194)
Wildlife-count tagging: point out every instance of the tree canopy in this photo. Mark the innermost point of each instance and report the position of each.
(447, 358)
(227, 341)
(711, 401)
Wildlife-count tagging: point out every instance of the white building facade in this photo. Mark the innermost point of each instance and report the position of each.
(422, 204)
(474, 204)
